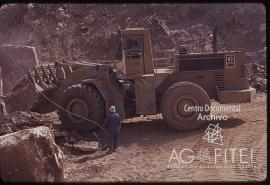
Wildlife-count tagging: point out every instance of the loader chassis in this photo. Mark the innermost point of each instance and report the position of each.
(143, 82)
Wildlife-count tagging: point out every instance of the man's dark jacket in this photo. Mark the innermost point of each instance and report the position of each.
(113, 122)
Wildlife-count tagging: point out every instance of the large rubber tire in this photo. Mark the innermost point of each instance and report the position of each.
(85, 101)
(173, 103)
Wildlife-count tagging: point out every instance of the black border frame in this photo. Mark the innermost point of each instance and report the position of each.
(266, 3)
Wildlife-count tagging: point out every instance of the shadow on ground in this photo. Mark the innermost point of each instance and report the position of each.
(155, 132)
(230, 123)
(92, 157)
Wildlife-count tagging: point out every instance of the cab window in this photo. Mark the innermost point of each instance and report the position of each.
(134, 47)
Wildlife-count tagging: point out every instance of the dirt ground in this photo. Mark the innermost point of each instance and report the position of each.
(147, 145)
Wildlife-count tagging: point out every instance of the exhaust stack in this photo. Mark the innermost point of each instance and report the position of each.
(214, 42)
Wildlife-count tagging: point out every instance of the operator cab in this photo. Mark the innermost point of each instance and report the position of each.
(136, 65)
(134, 53)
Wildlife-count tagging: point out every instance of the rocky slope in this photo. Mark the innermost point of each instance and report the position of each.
(88, 31)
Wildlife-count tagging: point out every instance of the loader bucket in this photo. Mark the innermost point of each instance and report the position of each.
(23, 96)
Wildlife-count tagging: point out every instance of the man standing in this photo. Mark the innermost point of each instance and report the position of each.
(113, 123)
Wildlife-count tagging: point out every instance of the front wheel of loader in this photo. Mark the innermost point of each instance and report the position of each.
(84, 101)
(178, 106)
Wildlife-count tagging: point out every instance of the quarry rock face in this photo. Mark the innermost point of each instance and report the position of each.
(71, 32)
(25, 56)
(30, 155)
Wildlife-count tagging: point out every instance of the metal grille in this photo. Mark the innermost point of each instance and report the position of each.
(220, 79)
(198, 64)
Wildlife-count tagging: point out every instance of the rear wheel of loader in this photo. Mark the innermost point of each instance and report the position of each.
(84, 101)
(176, 101)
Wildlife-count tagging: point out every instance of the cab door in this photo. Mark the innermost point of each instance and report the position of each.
(134, 54)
